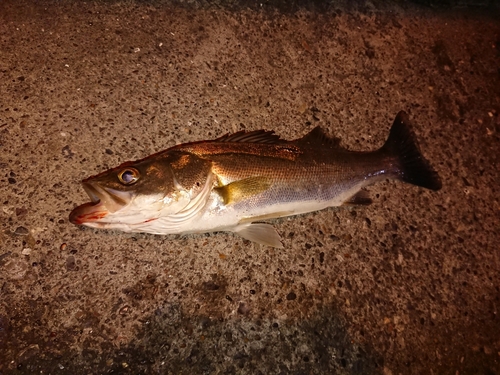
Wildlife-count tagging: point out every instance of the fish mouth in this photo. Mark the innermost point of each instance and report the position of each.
(103, 202)
(92, 192)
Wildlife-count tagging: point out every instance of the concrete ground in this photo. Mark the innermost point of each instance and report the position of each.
(408, 285)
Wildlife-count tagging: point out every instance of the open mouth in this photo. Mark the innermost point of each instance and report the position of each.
(114, 200)
(103, 201)
(91, 192)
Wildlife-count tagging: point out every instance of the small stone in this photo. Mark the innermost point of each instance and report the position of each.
(26, 251)
(63, 246)
(20, 212)
(210, 286)
(5, 255)
(21, 231)
(291, 296)
(243, 308)
(124, 310)
(66, 152)
(16, 269)
(109, 151)
(70, 263)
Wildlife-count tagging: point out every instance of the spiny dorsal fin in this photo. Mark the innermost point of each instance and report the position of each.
(257, 136)
(317, 137)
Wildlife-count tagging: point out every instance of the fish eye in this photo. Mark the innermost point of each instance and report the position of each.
(129, 176)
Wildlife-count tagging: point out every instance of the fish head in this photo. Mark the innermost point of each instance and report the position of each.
(132, 194)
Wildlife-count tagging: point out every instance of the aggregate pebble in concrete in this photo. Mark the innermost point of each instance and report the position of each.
(408, 285)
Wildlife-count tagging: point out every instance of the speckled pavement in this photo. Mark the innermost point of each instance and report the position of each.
(408, 285)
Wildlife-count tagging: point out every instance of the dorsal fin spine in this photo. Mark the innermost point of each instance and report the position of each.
(257, 136)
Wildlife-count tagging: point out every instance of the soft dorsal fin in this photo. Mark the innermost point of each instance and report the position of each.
(317, 137)
(257, 136)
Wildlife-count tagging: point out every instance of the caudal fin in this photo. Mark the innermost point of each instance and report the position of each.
(412, 166)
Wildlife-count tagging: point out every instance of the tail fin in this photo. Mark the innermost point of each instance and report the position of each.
(413, 167)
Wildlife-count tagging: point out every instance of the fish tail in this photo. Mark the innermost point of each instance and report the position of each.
(412, 166)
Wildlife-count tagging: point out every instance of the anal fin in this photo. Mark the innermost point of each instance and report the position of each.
(361, 198)
(272, 215)
(264, 234)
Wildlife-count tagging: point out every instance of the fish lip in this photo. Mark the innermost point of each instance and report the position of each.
(87, 212)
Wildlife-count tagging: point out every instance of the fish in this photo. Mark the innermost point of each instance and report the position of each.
(238, 182)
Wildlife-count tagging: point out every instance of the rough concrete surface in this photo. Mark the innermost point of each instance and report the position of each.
(408, 285)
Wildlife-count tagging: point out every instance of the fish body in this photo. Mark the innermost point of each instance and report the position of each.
(235, 182)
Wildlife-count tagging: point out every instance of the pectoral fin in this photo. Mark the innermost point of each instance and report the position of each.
(238, 191)
(265, 234)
